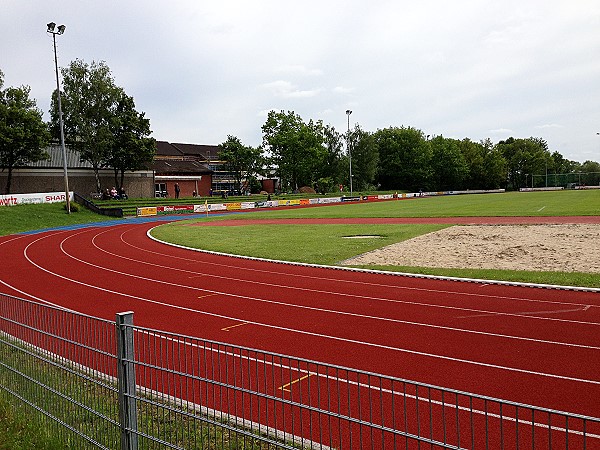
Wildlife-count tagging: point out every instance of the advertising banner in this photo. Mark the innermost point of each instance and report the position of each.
(324, 200)
(148, 211)
(217, 207)
(23, 199)
(233, 206)
(248, 205)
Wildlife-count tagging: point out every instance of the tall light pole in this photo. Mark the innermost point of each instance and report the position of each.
(60, 30)
(348, 112)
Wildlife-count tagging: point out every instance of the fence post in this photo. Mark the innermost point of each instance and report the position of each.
(126, 381)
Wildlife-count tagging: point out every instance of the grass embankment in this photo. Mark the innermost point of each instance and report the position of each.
(323, 244)
(23, 428)
(20, 218)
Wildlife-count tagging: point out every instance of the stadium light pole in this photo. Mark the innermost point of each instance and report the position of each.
(348, 112)
(54, 31)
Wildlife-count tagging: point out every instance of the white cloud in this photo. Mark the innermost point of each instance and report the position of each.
(548, 125)
(343, 90)
(201, 70)
(300, 70)
(286, 89)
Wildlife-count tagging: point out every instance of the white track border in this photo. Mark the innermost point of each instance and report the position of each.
(383, 272)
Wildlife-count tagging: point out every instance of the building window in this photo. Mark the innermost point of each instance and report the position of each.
(160, 189)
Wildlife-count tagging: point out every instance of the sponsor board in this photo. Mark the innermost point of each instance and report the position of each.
(217, 207)
(248, 205)
(233, 206)
(294, 202)
(147, 211)
(325, 200)
(24, 199)
(350, 199)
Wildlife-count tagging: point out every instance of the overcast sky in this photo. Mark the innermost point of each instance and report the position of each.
(202, 70)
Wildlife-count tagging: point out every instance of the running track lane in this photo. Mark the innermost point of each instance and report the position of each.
(534, 346)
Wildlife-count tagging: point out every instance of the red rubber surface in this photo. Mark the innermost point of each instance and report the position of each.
(529, 345)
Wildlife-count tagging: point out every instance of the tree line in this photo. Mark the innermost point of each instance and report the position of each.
(100, 122)
(309, 153)
(103, 125)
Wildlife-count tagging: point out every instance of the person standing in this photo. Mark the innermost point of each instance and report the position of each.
(177, 190)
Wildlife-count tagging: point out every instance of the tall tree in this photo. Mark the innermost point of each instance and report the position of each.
(89, 101)
(404, 158)
(131, 147)
(365, 158)
(524, 157)
(295, 147)
(449, 168)
(240, 160)
(23, 133)
(332, 172)
(590, 173)
(495, 166)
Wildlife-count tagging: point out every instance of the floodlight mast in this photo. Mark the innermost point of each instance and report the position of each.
(60, 30)
(348, 112)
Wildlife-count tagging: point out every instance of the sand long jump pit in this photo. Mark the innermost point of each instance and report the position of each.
(548, 247)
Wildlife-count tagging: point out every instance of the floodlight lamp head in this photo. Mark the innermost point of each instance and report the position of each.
(51, 26)
(61, 29)
(348, 112)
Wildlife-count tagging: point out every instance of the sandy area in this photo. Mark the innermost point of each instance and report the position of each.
(563, 248)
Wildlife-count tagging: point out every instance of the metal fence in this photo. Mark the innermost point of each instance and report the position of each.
(110, 384)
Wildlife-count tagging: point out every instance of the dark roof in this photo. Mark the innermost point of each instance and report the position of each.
(174, 149)
(178, 167)
(164, 148)
(55, 160)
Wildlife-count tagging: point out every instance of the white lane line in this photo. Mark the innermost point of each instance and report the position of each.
(338, 312)
(293, 330)
(533, 313)
(335, 312)
(345, 281)
(341, 294)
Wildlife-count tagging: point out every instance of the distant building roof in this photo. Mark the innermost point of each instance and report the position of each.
(56, 159)
(164, 148)
(177, 149)
(179, 167)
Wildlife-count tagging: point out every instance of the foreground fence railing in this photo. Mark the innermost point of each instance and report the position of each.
(104, 384)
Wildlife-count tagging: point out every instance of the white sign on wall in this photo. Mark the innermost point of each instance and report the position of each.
(23, 199)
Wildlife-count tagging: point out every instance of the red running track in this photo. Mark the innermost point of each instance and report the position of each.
(529, 345)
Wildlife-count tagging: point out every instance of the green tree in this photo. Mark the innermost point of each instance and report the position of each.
(131, 147)
(242, 161)
(486, 166)
(23, 133)
(89, 101)
(332, 172)
(590, 173)
(404, 158)
(524, 157)
(449, 168)
(295, 148)
(365, 158)
(494, 166)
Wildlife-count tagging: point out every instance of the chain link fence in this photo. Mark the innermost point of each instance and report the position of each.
(110, 384)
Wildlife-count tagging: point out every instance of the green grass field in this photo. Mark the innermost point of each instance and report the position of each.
(16, 219)
(559, 203)
(323, 244)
